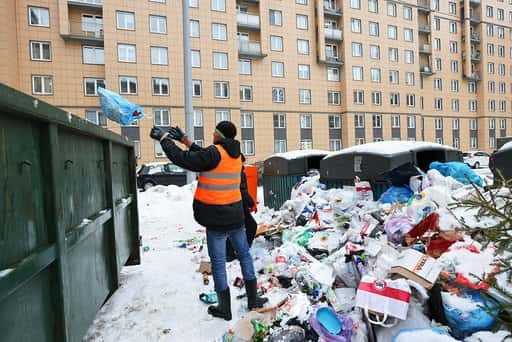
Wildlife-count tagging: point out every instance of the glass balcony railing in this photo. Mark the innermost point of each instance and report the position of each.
(249, 48)
(333, 34)
(94, 3)
(247, 20)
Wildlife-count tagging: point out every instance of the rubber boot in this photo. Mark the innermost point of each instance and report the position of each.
(223, 310)
(253, 300)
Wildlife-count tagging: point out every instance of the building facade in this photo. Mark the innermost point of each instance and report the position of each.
(291, 74)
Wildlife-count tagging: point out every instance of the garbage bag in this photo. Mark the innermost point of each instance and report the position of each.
(394, 194)
(324, 320)
(396, 227)
(460, 171)
(118, 109)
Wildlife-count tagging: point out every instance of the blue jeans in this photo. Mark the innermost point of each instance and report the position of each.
(217, 251)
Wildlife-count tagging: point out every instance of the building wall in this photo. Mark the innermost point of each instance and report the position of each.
(69, 71)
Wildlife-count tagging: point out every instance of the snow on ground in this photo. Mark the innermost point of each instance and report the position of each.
(158, 300)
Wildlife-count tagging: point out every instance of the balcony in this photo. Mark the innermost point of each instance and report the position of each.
(333, 34)
(474, 2)
(475, 56)
(474, 76)
(474, 18)
(424, 28)
(426, 70)
(425, 49)
(475, 37)
(249, 49)
(89, 32)
(333, 60)
(248, 21)
(424, 5)
(332, 11)
(86, 3)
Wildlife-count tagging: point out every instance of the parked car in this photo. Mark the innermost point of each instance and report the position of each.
(476, 159)
(153, 174)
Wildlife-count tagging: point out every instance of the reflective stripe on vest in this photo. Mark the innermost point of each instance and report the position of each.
(221, 185)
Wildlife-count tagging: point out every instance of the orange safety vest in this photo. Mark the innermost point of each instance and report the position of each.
(221, 185)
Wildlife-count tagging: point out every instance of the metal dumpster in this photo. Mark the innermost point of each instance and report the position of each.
(383, 163)
(68, 219)
(282, 171)
(500, 163)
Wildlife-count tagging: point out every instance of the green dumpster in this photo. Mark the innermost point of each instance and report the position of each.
(282, 171)
(68, 219)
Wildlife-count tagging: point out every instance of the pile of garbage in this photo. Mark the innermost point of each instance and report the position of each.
(338, 266)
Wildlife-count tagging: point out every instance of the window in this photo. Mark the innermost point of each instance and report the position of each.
(276, 17)
(408, 35)
(453, 26)
(278, 95)
(125, 20)
(391, 9)
(454, 47)
(305, 96)
(219, 5)
(452, 7)
(373, 29)
(159, 55)
(303, 46)
(160, 86)
(197, 117)
(393, 54)
(455, 105)
(407, 12)
(357, 50)
(194, 28)
(394, 99)
(473, 125)
(277, 69)
(438, 84)
(195, 56)
(472, 104)
(455, 124)
(395, 121)
(438, 64)
(503, 123)
(246, 120)
(489, 11)
(197, 88)
(376, 98)
(96, 117)
(334, 121)
(162, 117)
(409, 78)
(305, 144)
(355, 25)
(93, 55)
(304, 71)
(91, 86)
(193, 3)
(377, 120)
(220, 60)
(280, 146)
(276, 43)
(492, 123)
(244, 66)
(222, 115)
(127, 85)
(439, 141)
(356, 4)
(411, 122)
(357, 73)
(359, 120)
(392, 32)
(245, 93)
(374, 51)
(302, 21)
(358, 96)
(40, 51)
(42, 85)
(279, 120)
(331, 50)
(438, 103)
(301, 2)
(491, 105)
(306, 121)
(126, 53)
(221, 89)
(437, 44)
(454, 85)
(410, 100)
(375, 75)
(157, 24)
(219, 31)
(454, 66)
(334, 144)
(394, 77)
(500, 14)
(409, 56)
(333, 97)
(247, 147)
(38, 16)
(473, 143)
(373, 6)
(333, 74)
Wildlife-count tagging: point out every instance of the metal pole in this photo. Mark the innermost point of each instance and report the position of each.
(187, 80)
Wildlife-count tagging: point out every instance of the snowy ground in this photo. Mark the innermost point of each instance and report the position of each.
(158, 300)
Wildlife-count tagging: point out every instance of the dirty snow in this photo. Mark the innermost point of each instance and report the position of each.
(389, 147)
(158, 300)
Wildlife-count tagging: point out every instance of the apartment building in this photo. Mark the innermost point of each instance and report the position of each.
(290, 73)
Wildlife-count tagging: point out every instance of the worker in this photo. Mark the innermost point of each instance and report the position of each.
(217, 205)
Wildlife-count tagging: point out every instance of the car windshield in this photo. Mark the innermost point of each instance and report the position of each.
(173, 168)
(154, 169)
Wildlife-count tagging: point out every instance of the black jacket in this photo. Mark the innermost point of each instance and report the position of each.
(197, 159)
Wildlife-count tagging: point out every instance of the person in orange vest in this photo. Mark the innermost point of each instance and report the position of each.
(217, 205)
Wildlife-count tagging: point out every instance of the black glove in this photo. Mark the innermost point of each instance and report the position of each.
(176, 133)
(157, 133)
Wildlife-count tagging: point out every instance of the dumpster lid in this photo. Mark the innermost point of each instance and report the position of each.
(507, 146)
(388, 148)
(297, 154)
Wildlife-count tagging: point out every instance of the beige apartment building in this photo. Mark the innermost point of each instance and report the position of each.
(290, 73)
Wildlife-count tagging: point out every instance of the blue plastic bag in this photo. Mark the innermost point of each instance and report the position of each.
(394, 194)
(118, 109)
(460, 171)
(421, 332)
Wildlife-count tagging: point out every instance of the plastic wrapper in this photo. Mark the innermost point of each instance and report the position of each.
(396, 227)
(118, 109)
(396, 194)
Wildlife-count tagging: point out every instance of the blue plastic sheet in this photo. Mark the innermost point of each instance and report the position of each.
(396, 194)
(118, 109)
(460, 171)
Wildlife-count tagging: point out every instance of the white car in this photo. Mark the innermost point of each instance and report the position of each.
(476, 159)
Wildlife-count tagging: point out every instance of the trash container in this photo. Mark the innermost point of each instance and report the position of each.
(283, 170)
(500, 163)
(251, 172)
(383, 163)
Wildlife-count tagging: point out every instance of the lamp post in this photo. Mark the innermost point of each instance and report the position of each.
(187, 81)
